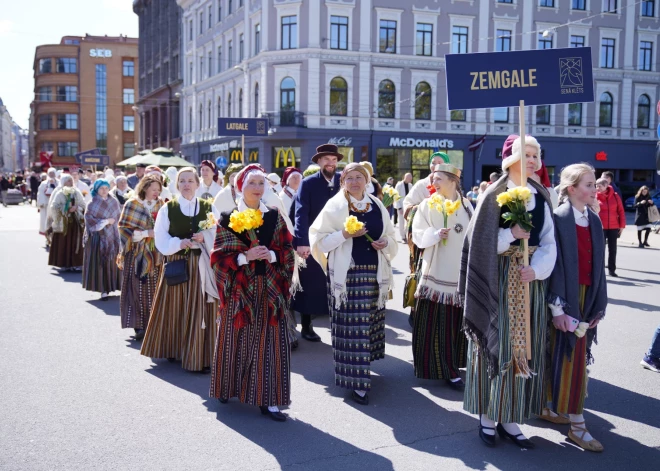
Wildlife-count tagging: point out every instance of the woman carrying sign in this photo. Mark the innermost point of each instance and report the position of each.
(502, 386)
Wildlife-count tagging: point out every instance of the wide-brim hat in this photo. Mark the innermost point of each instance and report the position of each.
(327, 149)
(448, 168)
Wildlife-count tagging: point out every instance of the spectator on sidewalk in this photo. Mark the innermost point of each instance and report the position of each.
(651, 360)
(403, 187)
(609, 176)
(35, 181)
(4, 188)
(613, 218)
(643, 203)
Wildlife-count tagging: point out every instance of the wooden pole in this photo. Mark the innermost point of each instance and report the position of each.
(523, 183)
(243, 149)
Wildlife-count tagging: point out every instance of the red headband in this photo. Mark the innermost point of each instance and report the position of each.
(212, 166)
(242, 175)
(288, 172)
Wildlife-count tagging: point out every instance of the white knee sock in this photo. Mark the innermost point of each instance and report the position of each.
(513, 429)
(486, 422)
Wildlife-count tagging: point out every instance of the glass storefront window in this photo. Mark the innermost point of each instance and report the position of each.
(349, 156)
(396, 162)
(642, 175)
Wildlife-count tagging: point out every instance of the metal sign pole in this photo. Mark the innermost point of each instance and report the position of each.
(243, 149)
(523, 183)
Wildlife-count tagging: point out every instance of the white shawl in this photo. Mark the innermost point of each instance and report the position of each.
(440, 263)
(418, 192)
(224, 201)
(338, 261)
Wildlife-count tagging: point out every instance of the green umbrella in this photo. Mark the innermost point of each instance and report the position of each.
(161, 157)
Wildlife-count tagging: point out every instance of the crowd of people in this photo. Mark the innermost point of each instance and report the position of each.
(213, 268)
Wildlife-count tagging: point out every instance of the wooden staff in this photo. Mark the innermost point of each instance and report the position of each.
(523, 183)
(243, 149)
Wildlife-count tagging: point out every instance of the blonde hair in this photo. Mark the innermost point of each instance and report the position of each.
(184, 170)
(571, 176)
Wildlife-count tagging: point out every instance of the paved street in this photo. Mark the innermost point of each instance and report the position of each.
(77, 395)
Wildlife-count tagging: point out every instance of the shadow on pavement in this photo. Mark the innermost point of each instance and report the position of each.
(634, 305)
(67, 276)
(109, 307)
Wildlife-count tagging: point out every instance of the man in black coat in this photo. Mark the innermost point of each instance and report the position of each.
(313, 194)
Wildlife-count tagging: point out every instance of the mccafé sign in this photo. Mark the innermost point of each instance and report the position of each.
(421, 143)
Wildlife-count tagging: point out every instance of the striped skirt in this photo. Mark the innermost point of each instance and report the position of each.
(567, 379)
(438, 342)
(508, 397)
(253, 363)
(358, 330)
(137, 295)
(66, 251)
(100, 273)
(181, 323)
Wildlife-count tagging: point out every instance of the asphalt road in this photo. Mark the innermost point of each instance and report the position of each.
(75, 394)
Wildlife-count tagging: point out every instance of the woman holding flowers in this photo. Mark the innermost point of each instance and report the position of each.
(67, 207)
(502, 385)
(578, 297)
(101, 241)
(182, 320)
(138, 258)
(353, 241)
(253, 260)
(438, 228)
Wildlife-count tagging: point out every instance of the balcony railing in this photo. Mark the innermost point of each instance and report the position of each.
(285, 119)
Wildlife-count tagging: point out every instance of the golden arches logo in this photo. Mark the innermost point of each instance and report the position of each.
(282, 157)
(254, 156)
(236, 156)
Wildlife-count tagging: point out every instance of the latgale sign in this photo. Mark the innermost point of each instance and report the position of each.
(100, 160)
(539, 77)
(242, 127)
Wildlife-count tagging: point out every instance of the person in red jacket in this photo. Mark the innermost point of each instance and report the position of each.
(613, 218)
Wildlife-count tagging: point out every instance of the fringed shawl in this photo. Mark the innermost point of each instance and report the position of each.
(58, 210)
(97, 211)
(136, 217)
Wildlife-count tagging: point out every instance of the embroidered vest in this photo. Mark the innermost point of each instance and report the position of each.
(182, 226)
(538, 219)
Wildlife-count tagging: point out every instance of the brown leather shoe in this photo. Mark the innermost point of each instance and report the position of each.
(591, 445)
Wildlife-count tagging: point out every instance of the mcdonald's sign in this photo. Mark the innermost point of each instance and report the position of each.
(254, 156)
(282, 158)
(236, 156)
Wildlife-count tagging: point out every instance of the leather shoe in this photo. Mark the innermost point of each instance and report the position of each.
(489, 440)
(139, 334)
(521, 442)
(223, 400)
(456, 385)
(276, 416)
(206, 370)
(362, 400)
(613, 273)
(309, 335)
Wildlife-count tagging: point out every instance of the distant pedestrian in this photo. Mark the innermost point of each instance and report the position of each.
(135, 178)
(643, 203)
(403, 188)
(4, 188)
(67, 207)
(609, 176)
(651, 360)
(613, 218)
(35, 181)
(473, 195)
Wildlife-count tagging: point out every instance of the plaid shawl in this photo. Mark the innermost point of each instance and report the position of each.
(136, 217)
(97, 211)
(237, 284)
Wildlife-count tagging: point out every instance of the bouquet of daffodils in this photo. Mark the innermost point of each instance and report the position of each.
(247, 220)
(444, 206)
(353, 225)
(516, 200)
(68, 191)
(390, 195)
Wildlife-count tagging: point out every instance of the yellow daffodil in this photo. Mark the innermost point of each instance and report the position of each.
(352, 225)
(503, 198)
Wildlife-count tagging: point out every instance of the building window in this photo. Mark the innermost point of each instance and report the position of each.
(607, 53)
(129, 150)
(67, 121)
(129, 123)
(230, 7)
(67, 93)
(339, 32)
(67, 149)
(190, 119)
(459, 39)
(210, 16)
(128, 69)
(579, 4)
(201, 68)
(543, 114)
(208, 115)
(47, 147)
(219, 11)
(229, 106)
(501, 115)
(648, 8)
(386, 97)
(102, 106)
(544, 42)
(201, 23)
(503, 41)
(219, 111)
(241, 50)
(424, 39)
(609, 6)
(219, 59)
(201, 117)
(45, 94)
(577, 41)
(423, 101)
(458, 115)
(230, 53)
(505, 1)
(388, 36)
(45, 66)
(338, 97)
(129, 96)
(547, 3)
(287, 101)
(190, 73)
(289, 32)
(644, 112)
(45, 122)
(67, 65)
(256, 100)
(575, 114)
(240, 103)
(605, 110)
(257, 39)
(645, 55)
(240, 3)
(190, 31)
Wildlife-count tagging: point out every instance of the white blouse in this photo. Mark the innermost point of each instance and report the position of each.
(165, 243)
(242, 258)
(543, 260)
(212, 190)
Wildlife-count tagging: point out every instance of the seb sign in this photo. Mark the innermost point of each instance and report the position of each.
(100, 53)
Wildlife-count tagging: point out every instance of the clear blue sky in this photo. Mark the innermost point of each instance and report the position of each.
(26, 24)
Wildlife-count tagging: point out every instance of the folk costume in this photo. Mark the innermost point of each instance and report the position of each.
(182, 319)
(46, 189)
(121, 196)
(288, 194)
(139, 261)
(209, 191)
(252, 356)
(101, 242)
(439, 345)
(66, 250)
(577, 288)
(501, 383)
(359, 281)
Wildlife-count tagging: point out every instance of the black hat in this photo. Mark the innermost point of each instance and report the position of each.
(326, 149)
(141, 165)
